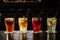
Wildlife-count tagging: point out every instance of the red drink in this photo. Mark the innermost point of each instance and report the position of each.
(36, 22)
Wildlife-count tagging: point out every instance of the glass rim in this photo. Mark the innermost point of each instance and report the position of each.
(51, 17)
(22, 18)
(8, 17)
(36, 18)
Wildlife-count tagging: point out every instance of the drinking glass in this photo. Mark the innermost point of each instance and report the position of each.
(9, 23)
(23, 23)
(36, 23)
(51, 24)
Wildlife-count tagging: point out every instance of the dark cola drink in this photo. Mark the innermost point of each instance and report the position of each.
(9, 23)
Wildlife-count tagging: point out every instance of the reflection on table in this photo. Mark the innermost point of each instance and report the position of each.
(9, 36)
(51, 36)
(23, 36)
(36, 36)
(29, 36)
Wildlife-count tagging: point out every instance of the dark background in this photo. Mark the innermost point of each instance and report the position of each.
(43, 9)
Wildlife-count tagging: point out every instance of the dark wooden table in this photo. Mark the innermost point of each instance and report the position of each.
(29, 36)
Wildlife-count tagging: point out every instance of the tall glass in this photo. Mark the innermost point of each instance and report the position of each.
(36, 23)
(9, 23)
(23, 23)
(51, 24)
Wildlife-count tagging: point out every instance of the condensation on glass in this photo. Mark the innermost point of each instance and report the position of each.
(16, 1)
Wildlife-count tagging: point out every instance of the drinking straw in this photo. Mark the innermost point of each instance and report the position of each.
(27, 11)
(56, 13)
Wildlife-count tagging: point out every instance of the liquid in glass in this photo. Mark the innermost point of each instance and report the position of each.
(9, 23)
(51, 24)
(23, 23)
(36, 23)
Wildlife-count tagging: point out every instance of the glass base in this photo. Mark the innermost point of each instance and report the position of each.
(37, 31)
(9, 32)
(51, 32)
(22, 32)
